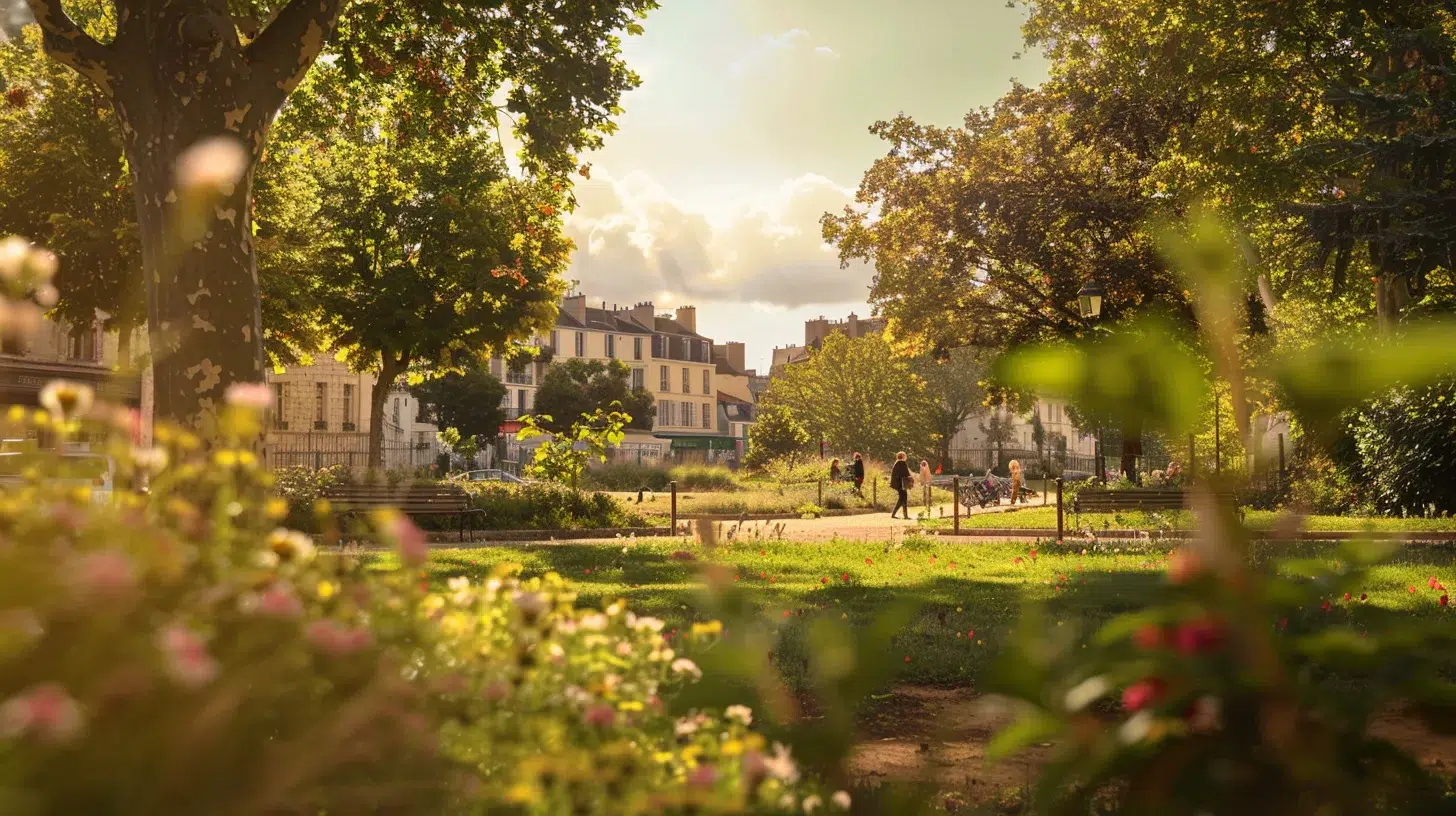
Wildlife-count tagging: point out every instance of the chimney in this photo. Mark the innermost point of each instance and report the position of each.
(688, 317)
(642, 313)
(575, 305)
(736, 356)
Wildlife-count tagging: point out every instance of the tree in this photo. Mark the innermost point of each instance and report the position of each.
(999, 429)
(469, 403)
(181, 74)
(856, 395)
(563, 457)
(443, 257)
(956, 394)
(462, 445)
(1039, 437)
(776, 435)
(571, 388)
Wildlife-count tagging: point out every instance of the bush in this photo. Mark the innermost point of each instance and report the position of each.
(302, 488)
(629, 477)
(1407, 446)
(809, 510)
(177, 652)
(543, 506)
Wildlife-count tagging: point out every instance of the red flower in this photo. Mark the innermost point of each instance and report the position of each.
(1431, 582)
(1017, 562)
(1444, 600)
(970, 633)
(1363, 596)
(1325, 607)
(1411, 589)
(823, 580)
(762, 576)
(1062, 579)
(1142, 694)
(763, 552)
(587, 571)
(844, 577)
(1283, 624)
(1347, 596)
(786, 613)
(1148, 637)
(869, 563)
(1033, 555)
(907, 658)
(1196, 637)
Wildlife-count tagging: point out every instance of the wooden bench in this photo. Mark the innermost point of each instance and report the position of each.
(1097, 500)
(412, 500)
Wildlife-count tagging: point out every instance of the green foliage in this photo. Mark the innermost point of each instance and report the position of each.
(956, 393)
(301, 488)
(466, 447)
(469, 402)
(809, 510)
(776, 434)
(1407, 446)
(563, 457)
(574, 388)
(541, 506)
(630, 477)
(856, 395)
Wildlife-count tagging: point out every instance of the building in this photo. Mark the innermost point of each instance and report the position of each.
(666, 356)
(973, 447)
(321, 419)
(818, 330)
(60, 351)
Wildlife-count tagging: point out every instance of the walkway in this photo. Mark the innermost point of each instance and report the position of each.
(875, 527)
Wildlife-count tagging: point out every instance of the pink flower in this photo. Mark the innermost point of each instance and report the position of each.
(278, 601)
(46, 711)
(601, 715)
(1142, 694)
(414, 548)
(703, 776)
(187, 659)
(336, 639)
(1196, 637)
(1183, 567)
(257, 396)
(105, 574)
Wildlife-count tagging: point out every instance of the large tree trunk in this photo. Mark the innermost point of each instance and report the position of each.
(1132, 450)
(390, 367)
(177, 74)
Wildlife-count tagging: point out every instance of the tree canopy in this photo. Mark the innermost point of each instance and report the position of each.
(469, 402)
(956, 393)
(573, 388)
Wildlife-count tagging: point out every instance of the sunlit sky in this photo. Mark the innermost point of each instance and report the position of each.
(751, 122)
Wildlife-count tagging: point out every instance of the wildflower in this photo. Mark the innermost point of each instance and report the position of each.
(703, 776)
(105, 574)
(685, 666)
(869, 562)
(149, 460)
(1445, 599)
(600, 715)
(840, 800)
(739, 713)
(1198, 636)
(907, 658)
(685, 727)
(1183, 566)
(644, 624)
(1325, 607)
(336, 639)
(414, 548)
(1347, 597)
(844, 577)
(1141, 694)
(290, 545)
(594, 622)
(1136, 728)
(824, 580)
(1148, 637)
(66, 400)
(46, 710)
(1086, 692)
(1364, 596)
(531, 604)
(1411, 589)
(187, 659)
(212, 165)
(781, 765)
(253, 395)
(278, 601)
(812, 803)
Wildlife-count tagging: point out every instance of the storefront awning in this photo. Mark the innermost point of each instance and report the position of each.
(21, 381)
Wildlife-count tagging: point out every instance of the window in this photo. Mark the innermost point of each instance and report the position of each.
(636, 348)
(83, 346)
(521, 402)
(688, 416)
(555, 344)
(611, 347)
(321, 405)
(396, 411)
(639, 378)
(666, 412)
(687, 381)
(348, 406)
(708, 415)
(707, 381)
(11, 345)
(664, 384)
(280, 406)
(581, 344)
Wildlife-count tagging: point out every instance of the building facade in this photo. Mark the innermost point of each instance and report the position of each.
(60, 351)
(818, 330)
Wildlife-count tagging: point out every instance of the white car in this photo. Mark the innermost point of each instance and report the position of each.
(76, 469)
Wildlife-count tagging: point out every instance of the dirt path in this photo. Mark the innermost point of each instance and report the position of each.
(940, 736)
(873, 527)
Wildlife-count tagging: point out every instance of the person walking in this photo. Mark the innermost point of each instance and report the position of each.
(925, 484)
(858, 471)
(834, 470)
(1016, 483)
(901, 480)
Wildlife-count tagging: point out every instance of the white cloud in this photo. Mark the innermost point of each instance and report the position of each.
(634, 241)
(771, 46)
(826, 51)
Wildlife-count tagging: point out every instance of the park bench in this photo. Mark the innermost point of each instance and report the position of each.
(1097, 500)
(412, 500)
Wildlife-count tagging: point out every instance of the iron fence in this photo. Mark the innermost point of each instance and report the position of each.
(316, 451)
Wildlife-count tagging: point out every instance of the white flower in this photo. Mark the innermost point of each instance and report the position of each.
(531, 604)
(66, 400)
(14, 252)
(1136, 728)
(786, 802)
(684, 666)
(685, 727)
(257, 396)
(812, 803)
(624, 648)
(644, 624)
(151, 460)
(1086, 692)
(290, 545)
(781, 765)
(841, 800)
(740, 713)
(594, 622)
(212, 165)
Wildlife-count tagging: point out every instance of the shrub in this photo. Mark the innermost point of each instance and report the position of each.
(544, 506)
(809, 510)
(628, 477)
(302, 488)
(1407, 446)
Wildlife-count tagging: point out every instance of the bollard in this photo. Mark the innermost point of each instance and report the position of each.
(1281, 461)
(875, 492)
(821, 493)
(1060, 521)
(956, 502)
(673, 511)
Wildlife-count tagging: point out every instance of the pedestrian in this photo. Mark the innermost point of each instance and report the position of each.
(858, 470)
(1015, 468)
(901, 480)
(834, 470)
(925, 483)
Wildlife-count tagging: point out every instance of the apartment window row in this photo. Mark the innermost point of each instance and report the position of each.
(282, 401)
(674, 414)
(682, 348)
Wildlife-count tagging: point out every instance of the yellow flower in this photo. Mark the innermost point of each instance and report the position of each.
(326, 590)
(631, 705)
(66, 400)
(523, 794)
(225, 458)
(275, 509)
(732, 747)
(709, 628)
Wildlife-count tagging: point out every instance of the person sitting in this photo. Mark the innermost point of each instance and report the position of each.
(834, 473)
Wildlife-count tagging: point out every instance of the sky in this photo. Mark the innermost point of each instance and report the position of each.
(751, 122)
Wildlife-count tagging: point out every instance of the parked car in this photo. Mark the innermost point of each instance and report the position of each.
(76, 469)
(489, 476)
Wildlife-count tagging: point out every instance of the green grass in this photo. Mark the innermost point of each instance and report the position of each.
(1045, 518)
(960, 587)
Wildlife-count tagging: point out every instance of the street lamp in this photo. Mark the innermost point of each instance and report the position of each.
(1089, 300)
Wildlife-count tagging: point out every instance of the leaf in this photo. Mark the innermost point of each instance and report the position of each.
(1031, 727)
(1338, 644)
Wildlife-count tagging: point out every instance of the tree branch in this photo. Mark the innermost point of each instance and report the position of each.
(67, 44)
(285, 50)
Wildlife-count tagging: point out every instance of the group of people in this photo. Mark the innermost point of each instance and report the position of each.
(901, 479)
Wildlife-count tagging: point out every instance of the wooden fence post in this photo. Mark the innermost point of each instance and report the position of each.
(673, 486)
(955, 502)
(821, 493)
(875, 492)
(1060, 519)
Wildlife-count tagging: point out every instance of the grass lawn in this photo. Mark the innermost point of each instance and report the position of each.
(771, 500)
(1045, 518)
(970, 594)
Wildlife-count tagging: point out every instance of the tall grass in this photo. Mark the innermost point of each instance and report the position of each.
(629, 476)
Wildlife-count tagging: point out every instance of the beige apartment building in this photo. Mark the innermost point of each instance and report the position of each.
(60, 351)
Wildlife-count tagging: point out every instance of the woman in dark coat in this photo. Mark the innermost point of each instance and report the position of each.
(858, 470)
(902, 481)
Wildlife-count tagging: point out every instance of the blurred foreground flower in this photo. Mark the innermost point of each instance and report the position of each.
(45, 711)
(66, 400)
(257, 396)
(212, 166)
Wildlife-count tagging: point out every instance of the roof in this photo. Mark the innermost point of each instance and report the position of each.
(604, 320)
(727, 370)
(566, 321)
(666, 325)
(732, 400)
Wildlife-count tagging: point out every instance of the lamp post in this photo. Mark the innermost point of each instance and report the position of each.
(1089, 302)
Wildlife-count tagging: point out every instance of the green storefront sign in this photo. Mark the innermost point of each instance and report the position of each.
(701, 443)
